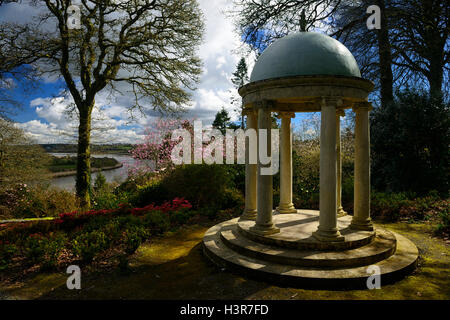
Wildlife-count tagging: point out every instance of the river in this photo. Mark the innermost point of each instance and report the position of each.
(118, 175)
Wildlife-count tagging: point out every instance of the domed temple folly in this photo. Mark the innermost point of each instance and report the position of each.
(309, 72)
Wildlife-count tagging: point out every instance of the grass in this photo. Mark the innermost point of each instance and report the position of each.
(173, 267)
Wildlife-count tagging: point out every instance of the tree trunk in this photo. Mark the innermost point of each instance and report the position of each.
(83, 181)
(384, 52)
(435, 77)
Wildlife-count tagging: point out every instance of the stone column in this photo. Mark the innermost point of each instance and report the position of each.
(286, 205)
(361, 216)
(340, 211)
(250, 173)
(327, 230)
(264, 224)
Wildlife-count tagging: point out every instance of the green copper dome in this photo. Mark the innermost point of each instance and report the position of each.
(305, 54)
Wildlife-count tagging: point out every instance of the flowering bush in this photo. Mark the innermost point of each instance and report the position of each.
(88, 233)
(168, 206)
(155, 152)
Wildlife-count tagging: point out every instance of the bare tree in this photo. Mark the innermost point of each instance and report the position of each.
(371, 48)
(421, 41)
(260, 22)
(147, 44)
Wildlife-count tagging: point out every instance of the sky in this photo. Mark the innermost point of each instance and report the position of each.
(43, 114)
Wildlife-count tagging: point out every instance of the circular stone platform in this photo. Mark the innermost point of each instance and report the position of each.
(294, 258)
(298, 228)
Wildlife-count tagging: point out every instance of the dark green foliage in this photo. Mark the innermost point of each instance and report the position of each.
(88, 244)
(347, 190)
(44, 249)
(214, 187)
(240, 76)
(444, 224)
(107, 198)
(236, 172)
(100, 182)
(157, 221)
(222, 121)
(7, 252)
(134, 236)
(387, 205)
(69, 163)
(410, 144)
(201, 184)
(153, 192)
(407, 206)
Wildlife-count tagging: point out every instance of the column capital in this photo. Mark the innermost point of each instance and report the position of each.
(340, 112)
(265, 104)
(365, 105)
(284, 114)
(330, 101)
(249, 111)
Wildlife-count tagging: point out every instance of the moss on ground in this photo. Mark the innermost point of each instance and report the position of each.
(173, 267)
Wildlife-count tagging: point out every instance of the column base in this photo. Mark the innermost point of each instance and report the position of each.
(361, 225)
(264, 230)
(341, 212)
(249, 215)
(328, 235)
(286, 208)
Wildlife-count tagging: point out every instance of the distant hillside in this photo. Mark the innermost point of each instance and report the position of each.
(72, 148)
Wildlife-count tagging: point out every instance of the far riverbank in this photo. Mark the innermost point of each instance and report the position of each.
(113, 174)
(74, 172)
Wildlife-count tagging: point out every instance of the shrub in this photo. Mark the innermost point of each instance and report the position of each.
(44, 249)
(7, 252)
(53, 245)
(347, 190)
(236, 173)
(203, 185)
(157, 221)
(133, 237)
(88, 244)
(152, 192)
(33, 248)
(232, 198)
(100, 182)
(387, 205)
(105, 198)
(41, 201)
(112, 229)
(394, 206)
(444, 223)
(180, 217)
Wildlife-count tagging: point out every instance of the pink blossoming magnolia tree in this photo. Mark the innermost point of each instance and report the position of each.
(154, 154)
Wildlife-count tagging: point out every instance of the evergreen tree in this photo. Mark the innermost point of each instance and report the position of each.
(410, 140)
(222, 121)
(240, 78)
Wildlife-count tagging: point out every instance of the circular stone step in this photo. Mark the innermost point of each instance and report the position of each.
(296, 232)
(402, 262)
(382, 247)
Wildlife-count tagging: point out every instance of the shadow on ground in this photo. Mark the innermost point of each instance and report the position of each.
(174, 267)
